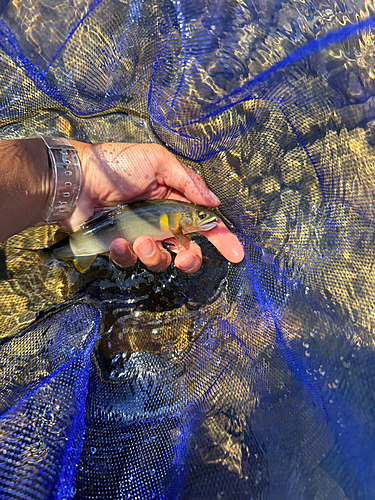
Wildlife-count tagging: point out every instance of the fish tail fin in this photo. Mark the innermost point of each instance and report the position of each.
(80, 263)
(83, 263)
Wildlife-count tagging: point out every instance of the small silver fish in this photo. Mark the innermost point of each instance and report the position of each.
(160, 219)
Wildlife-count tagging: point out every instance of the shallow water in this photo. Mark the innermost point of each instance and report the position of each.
(243, 381)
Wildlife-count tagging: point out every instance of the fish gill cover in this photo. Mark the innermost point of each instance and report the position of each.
(253, 380)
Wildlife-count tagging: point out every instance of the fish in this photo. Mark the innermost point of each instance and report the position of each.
(160, 219)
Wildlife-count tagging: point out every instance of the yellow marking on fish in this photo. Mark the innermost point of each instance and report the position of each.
(176, 217)
(164, 222)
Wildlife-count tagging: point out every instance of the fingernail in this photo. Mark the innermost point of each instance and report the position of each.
(237, 255)
(118, 249)
(214, 198)
(187, 264)
(147, 248)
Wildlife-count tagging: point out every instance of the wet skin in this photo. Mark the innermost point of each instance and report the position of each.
(157, 259)
(126, 173)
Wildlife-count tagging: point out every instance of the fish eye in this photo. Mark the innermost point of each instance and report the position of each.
(202, 215)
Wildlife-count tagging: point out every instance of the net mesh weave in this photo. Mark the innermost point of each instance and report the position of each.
(253, 380)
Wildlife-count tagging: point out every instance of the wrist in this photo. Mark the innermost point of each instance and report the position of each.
(34, 157)
(87, 199)
(41, 186)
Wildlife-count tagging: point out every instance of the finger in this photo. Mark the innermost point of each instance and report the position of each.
(121, 253)
(189, 261)
(188, 182)
(180, 177)
(152, 254)
(226, 242)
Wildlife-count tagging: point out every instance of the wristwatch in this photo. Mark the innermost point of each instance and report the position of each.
(66, 168)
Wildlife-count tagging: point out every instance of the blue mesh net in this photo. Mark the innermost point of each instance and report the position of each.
(251, 380)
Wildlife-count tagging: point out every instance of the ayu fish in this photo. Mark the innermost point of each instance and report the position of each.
(160, 219)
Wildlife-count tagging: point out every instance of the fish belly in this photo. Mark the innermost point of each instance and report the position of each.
(131, 233)
(95, 242)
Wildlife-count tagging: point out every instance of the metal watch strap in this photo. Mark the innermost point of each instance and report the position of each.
(67, 178)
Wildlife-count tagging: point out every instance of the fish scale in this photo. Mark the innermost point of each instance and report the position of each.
(160, 219)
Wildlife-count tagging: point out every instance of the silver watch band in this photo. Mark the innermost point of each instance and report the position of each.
(67, 178)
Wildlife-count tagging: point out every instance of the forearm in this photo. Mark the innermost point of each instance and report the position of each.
(26, 184)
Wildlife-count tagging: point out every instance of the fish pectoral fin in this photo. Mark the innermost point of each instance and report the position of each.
(83, 263)
(180, 237)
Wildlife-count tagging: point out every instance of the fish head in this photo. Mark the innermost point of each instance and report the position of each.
(197, 219)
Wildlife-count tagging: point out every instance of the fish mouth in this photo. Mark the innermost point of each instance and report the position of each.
(209, 224)
(206, 225)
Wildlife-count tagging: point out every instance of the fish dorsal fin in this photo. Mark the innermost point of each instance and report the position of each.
(83, 263)
(103, 213)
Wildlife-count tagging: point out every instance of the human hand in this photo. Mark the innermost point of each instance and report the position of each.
(125, 173)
